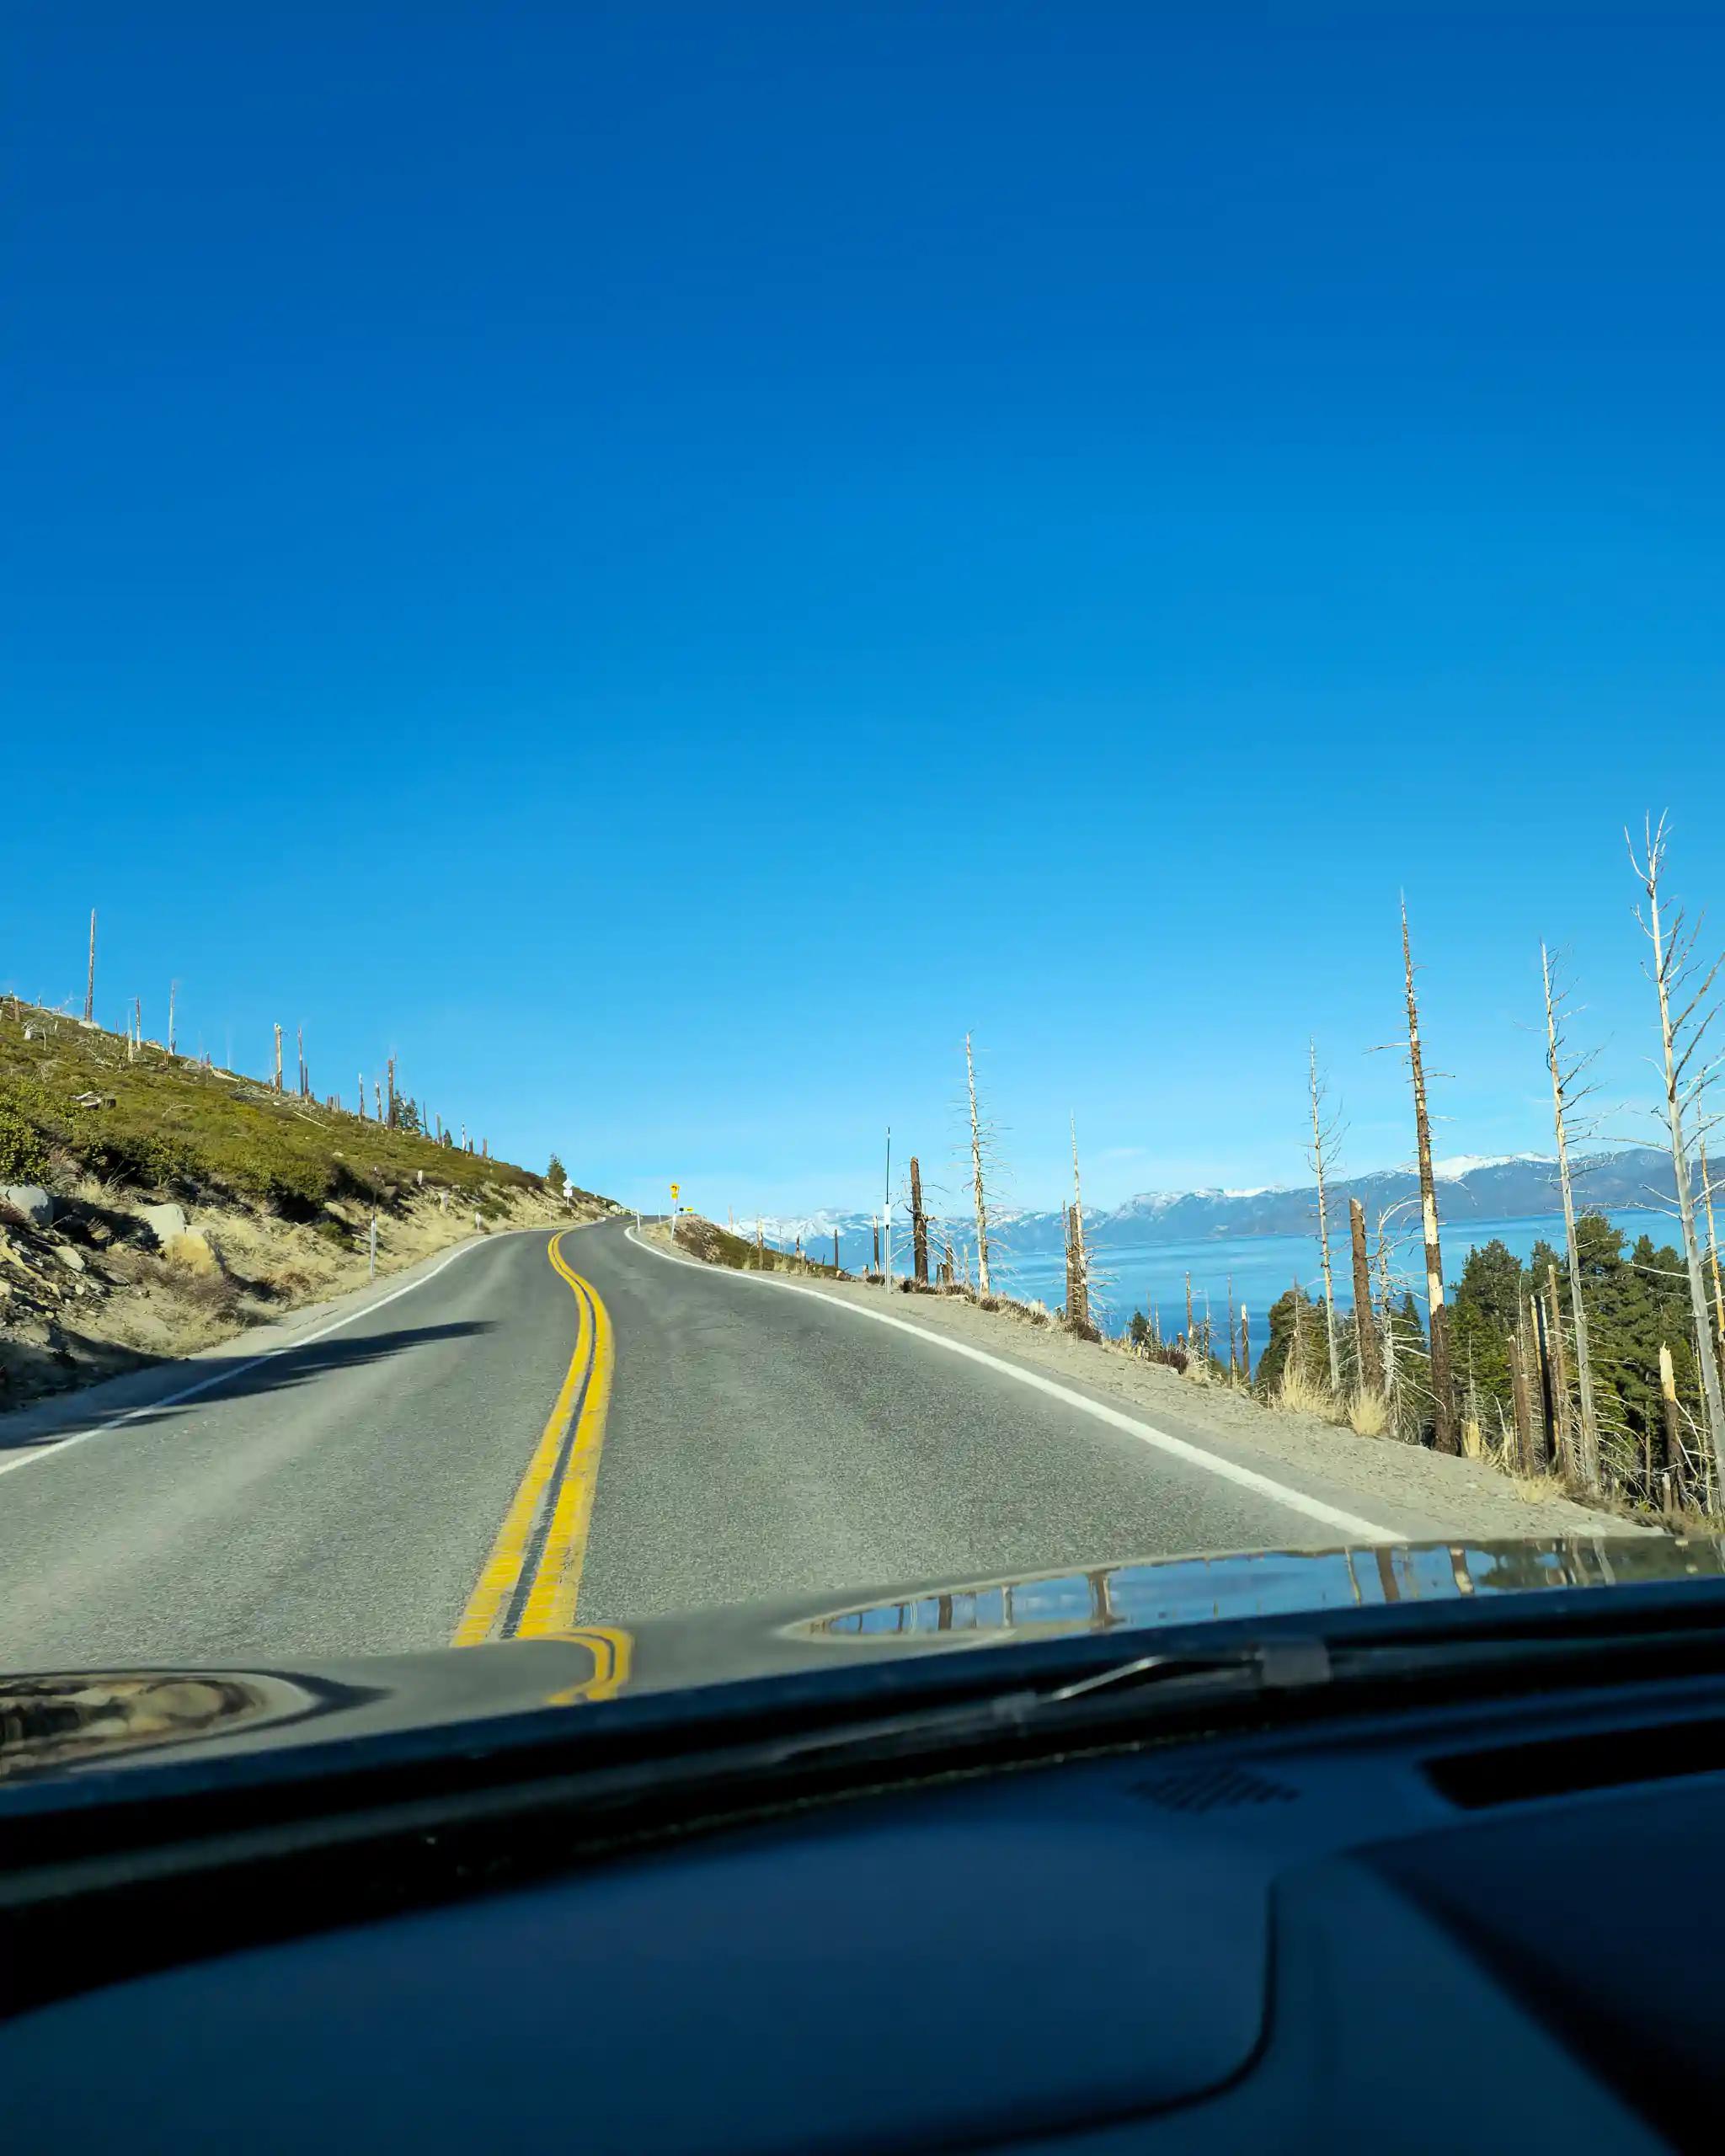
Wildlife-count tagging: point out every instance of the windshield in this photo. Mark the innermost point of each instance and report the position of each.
(846, 830)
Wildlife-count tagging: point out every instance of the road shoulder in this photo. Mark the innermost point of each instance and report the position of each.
(1424, 1493)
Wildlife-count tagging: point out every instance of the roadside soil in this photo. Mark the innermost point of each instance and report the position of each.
(1469, 1498)
(95, 1294)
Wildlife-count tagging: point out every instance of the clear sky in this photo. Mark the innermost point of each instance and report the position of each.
(661, 561)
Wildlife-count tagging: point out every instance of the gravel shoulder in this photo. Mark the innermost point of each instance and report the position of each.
(1424, 1493)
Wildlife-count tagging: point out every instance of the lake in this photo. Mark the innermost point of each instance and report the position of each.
(1147, 1276)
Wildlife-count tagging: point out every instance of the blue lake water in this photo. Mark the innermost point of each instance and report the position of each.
(1150, 1276)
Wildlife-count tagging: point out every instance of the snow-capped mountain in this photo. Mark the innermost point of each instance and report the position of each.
(1471, 1187)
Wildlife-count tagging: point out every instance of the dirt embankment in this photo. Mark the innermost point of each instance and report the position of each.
(115, 1280)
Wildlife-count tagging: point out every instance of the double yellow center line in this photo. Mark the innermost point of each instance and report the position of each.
(531, 1578)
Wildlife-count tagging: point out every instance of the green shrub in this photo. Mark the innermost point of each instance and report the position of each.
(24, 1158)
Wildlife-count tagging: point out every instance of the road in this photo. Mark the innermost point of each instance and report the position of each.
(542, 1424)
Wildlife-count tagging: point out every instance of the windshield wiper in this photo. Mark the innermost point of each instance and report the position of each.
(1268, 1665)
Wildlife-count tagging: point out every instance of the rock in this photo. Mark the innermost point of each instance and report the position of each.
(72, 1259)
(165, 1222)
(29, 1201)
(90, 1100)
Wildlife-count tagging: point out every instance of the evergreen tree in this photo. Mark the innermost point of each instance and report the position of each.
(556, 1175)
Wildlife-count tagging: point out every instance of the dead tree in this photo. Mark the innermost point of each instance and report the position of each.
(1387, 1310)
(172, 991)
(1365, 1337)
(362, 1097)
(1562, 1435)
(919, 1226)
(277, 1081)
(976, 1172)
(1548, 1389)
(1524, 1404)
(90, 984)
(391, 1062)
(1677, 977)
(1077, 1263)
(1674, 1432)
(1246, 1342)
(1324, 1131)
(1565, 1071)
(1447, 1437)
(1712, 1244)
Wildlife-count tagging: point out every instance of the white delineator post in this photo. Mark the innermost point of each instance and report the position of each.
(887, 1210)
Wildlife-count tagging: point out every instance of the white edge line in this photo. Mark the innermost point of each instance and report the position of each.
(49, 1446)
(1247, 1478)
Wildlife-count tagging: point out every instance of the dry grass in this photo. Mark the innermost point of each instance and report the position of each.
(1296, 1394)
(238, 1265)
(1368, 1413)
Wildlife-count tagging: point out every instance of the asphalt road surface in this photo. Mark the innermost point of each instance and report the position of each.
(539, 1426)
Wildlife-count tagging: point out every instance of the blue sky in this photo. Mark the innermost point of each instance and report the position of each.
(662, 562)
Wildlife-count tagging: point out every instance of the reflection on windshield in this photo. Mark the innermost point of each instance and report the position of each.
(1186, 1590)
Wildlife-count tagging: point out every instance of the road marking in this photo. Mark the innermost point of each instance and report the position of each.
(554, 1498)
(1247, 1478)
(49, 1446)
(551, 1601)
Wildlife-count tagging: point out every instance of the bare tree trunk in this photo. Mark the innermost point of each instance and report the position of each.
(1078, 1297)
(1563, 1433)
(1524, 1405)
(1389, 1317)
(1669, 959)
(1445, 1432)
(1548, 1391)
(1232, 1368)
(278, 1059)
(391, 1091)
(362, 1097)
(1712, 1247)
(919, 1225)
(1245, 1341)
(173, 990)
(1318, 1135)
(1668, 1409)
(1589, 1460)
(90, 985)
(976, 1172)
(1365, 1337)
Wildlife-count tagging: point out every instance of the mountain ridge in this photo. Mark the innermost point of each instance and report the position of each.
(1510, 1186)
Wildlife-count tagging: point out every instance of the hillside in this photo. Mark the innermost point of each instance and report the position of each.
(150, 1205)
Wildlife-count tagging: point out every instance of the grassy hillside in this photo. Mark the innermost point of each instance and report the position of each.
(162, 1123)
(720, 1246)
